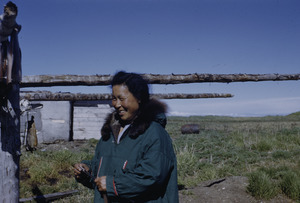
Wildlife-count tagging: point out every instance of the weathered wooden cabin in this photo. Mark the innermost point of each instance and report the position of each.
(65, 120)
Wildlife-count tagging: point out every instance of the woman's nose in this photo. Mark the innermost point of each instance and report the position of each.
(117, 104)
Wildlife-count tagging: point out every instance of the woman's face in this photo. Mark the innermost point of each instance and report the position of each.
(124, 102)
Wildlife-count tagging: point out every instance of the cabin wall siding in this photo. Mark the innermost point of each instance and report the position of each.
(88, 121)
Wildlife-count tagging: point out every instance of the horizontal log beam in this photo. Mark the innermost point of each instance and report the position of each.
(99, 80)
(191, 96)
(67, 96)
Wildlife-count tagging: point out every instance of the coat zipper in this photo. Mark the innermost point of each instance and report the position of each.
(100, 163)
(104, 194)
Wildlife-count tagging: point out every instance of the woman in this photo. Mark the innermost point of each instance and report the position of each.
(134, 160)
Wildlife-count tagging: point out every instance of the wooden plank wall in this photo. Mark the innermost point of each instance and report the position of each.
(88, 121)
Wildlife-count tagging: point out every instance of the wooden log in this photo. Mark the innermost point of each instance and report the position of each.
(65, 80)
(191, 96)
(49, 197)
(98, 80)
(67, 96)
(10, 76)
(10, 144)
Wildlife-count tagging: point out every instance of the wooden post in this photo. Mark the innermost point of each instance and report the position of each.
(71, 120)
(10, 145)
(11, 74)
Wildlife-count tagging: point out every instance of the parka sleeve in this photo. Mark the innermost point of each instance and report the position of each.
(151, 174)
(89, 182)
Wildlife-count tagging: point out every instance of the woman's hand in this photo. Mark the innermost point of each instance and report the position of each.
(101, 183)
(78, 169)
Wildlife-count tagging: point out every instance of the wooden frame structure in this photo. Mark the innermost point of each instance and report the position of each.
(13, 97)
(67, 96)
(102, 80)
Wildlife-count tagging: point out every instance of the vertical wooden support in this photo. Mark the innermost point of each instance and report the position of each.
(71, 135)
(10, 145)
(10, 67)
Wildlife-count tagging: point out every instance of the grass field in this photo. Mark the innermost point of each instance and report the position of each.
(265, 149)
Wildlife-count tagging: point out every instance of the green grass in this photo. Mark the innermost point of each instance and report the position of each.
(266, 150)
(267, 182)
(44, 172)
(229, 146)
(261, 185)
(290, 184)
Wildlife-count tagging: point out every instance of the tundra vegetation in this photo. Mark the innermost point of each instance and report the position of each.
(264, 149)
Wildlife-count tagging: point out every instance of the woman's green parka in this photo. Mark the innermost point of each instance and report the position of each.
(142, 166)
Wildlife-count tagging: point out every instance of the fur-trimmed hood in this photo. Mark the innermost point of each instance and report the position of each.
(154, 110)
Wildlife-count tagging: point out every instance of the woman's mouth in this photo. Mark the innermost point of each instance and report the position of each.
(121, 113)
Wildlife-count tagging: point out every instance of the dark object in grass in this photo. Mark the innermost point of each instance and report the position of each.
(49, 197)
(190, 129)
(216, 182)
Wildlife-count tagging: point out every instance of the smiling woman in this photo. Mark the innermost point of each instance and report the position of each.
(134, 160)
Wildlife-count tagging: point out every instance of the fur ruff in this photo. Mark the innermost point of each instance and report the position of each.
(145, 116)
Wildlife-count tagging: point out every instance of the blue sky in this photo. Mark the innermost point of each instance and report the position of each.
(170, 36)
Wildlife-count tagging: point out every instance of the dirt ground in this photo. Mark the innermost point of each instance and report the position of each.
(226, 190)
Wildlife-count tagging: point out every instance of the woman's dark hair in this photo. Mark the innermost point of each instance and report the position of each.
(135, 83)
